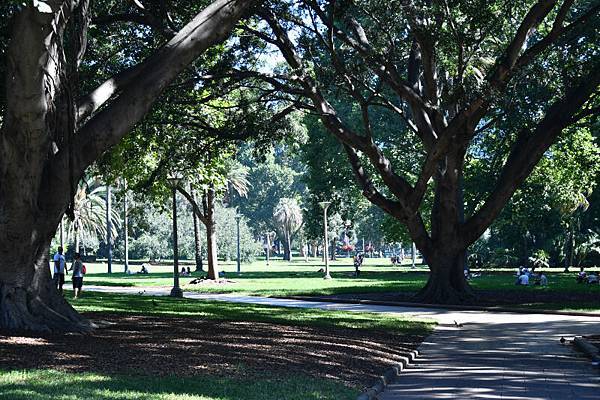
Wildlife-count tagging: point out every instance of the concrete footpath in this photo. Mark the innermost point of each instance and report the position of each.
(472, 354)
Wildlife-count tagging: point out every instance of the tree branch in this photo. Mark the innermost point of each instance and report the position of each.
(527, 151)
(152, 76)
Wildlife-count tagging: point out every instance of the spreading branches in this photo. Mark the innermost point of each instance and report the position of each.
(528, 150)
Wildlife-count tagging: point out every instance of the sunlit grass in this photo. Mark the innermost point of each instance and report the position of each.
(217, 310)
(55, 385)
(377, 276)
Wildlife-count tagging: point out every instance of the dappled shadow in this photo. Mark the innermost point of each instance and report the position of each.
(519, 357)
(162, 345)
(51, 385)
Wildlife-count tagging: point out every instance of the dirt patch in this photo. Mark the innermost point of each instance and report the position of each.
(148, 345)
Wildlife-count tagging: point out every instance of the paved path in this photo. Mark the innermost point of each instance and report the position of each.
(492, 356)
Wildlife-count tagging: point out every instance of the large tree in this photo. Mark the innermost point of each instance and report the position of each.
(448, 69)
(52, 131)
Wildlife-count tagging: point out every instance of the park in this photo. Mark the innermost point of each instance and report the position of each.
(285, 200)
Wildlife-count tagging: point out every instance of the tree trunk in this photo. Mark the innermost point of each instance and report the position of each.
(446, 256)
(287, 247)
(197, 244)
(29, 300)
(42, 125)
(446, 283)
(211, 236)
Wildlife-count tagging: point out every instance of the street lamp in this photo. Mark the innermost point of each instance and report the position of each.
(324, 205)
(174, 180)
(238, 217)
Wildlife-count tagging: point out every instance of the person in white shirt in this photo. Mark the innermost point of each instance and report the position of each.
(59, 269)
(543, 280)
(524, 279)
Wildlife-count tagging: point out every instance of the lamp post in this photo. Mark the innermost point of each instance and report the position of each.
(125, 226)
(324, 205)
(238, 217)
(174, 179)
(108, 230)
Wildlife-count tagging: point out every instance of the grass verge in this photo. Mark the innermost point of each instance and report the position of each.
(56, 385)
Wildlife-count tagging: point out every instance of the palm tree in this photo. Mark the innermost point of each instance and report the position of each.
(288, 219)
(90, 214)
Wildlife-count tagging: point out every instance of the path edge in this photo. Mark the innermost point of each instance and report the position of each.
(500, 309)
(587, 348)
(388, 376)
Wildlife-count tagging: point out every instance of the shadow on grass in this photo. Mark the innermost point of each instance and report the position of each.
(53, 385)
(216, 310)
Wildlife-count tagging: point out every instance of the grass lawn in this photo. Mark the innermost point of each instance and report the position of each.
(378, 276)
(57, 385)
(95, 302)
(165, 348)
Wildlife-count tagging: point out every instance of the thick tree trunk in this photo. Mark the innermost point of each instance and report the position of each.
(211, 236)
(446, 283)
(29, 300)
(40, 128)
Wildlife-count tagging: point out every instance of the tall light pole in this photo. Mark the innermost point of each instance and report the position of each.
(174, 179)
(238, 217)
(126, 227)
(108, 230)
(325, 205)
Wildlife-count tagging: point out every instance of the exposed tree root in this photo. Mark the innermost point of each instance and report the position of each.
(25, 310)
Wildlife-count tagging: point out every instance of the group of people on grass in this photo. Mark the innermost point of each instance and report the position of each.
(590, 279)
(185, 272)
(528, 277)
(60, 269)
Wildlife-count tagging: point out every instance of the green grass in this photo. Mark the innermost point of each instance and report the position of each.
(377, 275)
(218, 310)
(54, 385)
(278, 279)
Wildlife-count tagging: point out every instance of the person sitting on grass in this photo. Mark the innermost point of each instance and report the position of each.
(144, 270)
(581, 277)
(592, 279)
(523, 280)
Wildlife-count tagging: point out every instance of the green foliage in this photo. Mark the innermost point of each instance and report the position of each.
(273, 176)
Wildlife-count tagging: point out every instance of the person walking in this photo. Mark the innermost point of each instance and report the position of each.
(59, 269)
(77, 269)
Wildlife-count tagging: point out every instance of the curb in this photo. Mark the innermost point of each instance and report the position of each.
(516, 310)
(388, 377)
(588, 349)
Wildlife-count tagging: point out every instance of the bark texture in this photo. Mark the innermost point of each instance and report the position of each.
(43, 123)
